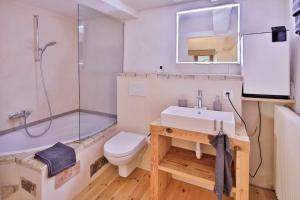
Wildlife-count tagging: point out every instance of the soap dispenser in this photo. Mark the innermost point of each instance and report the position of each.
(217, 104)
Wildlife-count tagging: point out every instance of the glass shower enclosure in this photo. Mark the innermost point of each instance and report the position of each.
(100, 51)
(59, 71)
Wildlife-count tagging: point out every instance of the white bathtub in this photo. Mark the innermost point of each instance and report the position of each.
(64, 129)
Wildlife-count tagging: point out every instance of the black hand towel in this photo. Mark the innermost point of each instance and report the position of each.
(296, 8)
(297, 24)
(223, 179)
(58, 158)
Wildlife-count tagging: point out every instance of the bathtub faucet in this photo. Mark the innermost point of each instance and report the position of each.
(21, 114)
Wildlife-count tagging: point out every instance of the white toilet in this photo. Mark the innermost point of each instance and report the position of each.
(125, 151)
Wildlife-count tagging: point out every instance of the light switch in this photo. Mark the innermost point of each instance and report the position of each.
(137, 89)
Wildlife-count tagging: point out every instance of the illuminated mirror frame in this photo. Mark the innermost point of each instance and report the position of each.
(178, 14)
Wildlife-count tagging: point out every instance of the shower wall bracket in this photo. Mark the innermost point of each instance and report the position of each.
(36, 38)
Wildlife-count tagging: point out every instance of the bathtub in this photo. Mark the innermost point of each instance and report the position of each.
(64, 129)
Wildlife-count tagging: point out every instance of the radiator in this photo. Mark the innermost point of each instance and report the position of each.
(287, 153)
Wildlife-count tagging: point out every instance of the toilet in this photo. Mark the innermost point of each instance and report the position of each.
(125, 151)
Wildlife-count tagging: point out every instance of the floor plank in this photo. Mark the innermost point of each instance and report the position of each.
(142, 190)
(257, 193)
(109, 186)
(130, 184)
(182, 191)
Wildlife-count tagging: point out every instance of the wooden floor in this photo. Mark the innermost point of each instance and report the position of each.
(109, 186)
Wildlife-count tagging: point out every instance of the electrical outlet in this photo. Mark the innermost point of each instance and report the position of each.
(225, 92)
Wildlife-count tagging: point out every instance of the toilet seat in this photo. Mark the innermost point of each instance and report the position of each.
(124, 144)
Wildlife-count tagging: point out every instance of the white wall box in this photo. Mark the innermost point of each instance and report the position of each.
(266, 66)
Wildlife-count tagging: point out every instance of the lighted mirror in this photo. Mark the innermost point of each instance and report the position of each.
(209, 35)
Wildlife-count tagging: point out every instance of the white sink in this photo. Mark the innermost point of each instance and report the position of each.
(198, 120)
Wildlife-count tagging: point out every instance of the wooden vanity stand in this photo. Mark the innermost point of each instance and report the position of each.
(167, 160)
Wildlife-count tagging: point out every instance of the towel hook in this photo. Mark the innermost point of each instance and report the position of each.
(222, 126)
(215, 125)
(221, 132)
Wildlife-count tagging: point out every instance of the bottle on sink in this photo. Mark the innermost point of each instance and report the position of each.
(217, 104)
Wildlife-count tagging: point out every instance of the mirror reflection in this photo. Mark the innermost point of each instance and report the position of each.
(209, 35)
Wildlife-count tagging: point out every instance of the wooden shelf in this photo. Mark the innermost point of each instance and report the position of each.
(284, 101)
(169, 162)
(183, 163)
(183, 191)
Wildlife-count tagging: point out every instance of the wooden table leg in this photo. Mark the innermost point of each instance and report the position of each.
(242, 175)
(159, 179)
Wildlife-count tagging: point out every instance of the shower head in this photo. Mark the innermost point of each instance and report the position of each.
(49, 44)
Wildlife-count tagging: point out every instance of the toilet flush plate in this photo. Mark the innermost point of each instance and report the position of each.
(137, 89)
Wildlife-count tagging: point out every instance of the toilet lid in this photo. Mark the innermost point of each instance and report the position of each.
(124, 144)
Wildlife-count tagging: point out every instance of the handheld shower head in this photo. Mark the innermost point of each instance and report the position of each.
(49, 44)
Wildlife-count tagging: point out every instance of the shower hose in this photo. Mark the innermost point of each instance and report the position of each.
(48, 103)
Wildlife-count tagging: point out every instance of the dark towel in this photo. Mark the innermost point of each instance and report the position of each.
(58, 158)
(297, 24)
(296, 8)
(223, 179)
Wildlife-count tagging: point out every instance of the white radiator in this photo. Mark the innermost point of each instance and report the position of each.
(287, 154)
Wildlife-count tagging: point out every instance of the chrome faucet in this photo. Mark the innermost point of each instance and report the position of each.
(199, 99)
(21, 114)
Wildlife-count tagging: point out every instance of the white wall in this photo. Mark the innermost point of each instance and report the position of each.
(259, 17)
(150, 40)
(21, 86)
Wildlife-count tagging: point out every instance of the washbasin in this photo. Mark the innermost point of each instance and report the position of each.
(199, 120)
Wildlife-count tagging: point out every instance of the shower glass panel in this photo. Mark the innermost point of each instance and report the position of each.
(100, 60)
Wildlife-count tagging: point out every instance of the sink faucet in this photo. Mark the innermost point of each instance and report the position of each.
(199, 99)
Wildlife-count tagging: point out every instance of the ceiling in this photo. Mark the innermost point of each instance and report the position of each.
(65, 7)
(69, 7)
(147, 4)
(87, 13)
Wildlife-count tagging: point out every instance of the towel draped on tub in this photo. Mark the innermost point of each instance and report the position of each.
(223, 175)
(58, 158)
